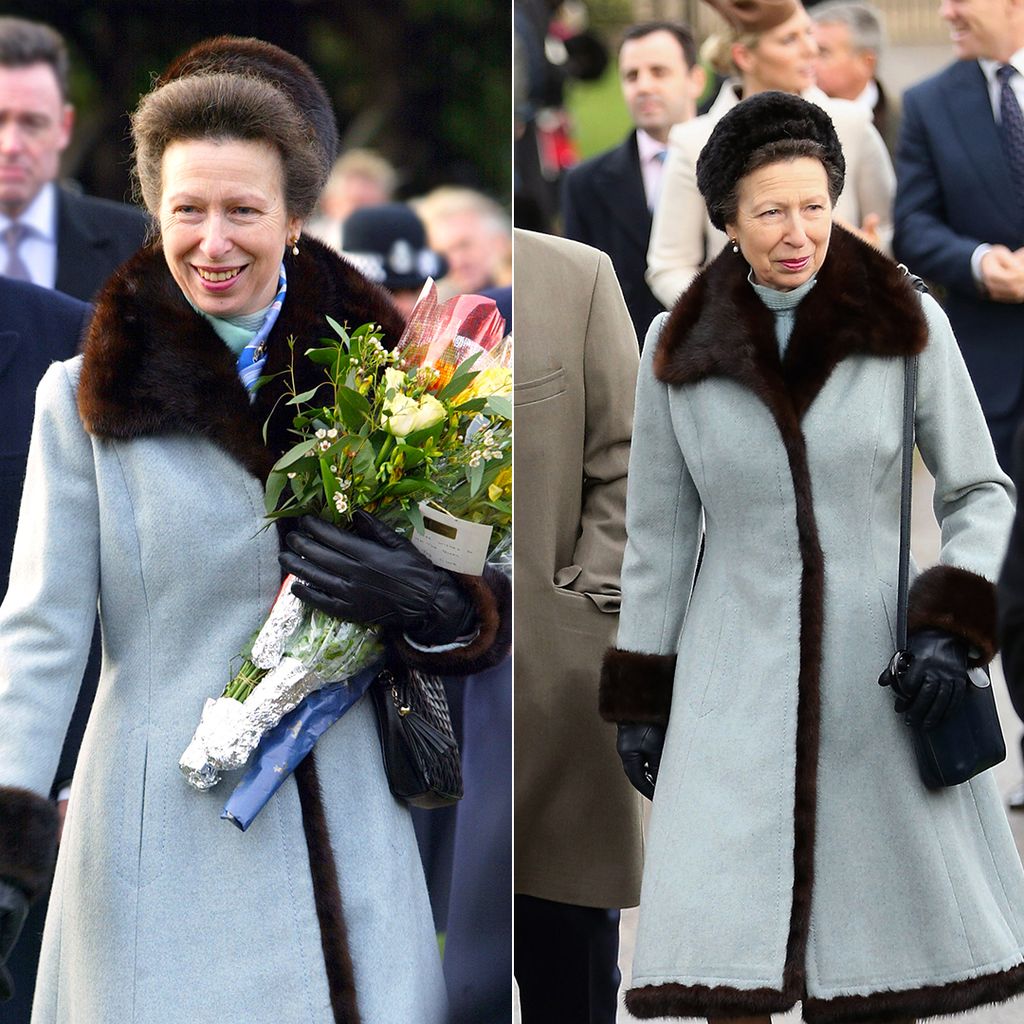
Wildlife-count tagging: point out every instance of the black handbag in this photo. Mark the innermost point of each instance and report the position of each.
(968, 740)
(421, 754)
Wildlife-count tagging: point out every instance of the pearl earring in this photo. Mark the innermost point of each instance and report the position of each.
(735, 245)
(295, 246)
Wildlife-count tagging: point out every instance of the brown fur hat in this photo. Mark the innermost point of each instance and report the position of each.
(249, 56)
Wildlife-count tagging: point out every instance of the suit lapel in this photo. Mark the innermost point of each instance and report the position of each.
(970, 109)
(619, 180)
(78, 243)
(10, 343)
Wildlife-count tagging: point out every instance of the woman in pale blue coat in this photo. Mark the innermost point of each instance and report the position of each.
(145, 492)
(794, 853)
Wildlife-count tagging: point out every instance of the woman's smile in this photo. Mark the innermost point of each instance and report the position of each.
(218, 279)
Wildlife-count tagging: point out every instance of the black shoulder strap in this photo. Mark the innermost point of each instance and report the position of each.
(909, 401)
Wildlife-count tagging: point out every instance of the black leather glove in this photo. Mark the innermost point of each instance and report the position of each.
(935, 681)
(13, 908)
(373, 575)
(639, 745)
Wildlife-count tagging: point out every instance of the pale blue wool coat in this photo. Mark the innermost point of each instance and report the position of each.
(793, 852)
(162, 913)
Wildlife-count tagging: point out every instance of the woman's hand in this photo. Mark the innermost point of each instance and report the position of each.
(935, 681)
(13, 908)
(639, 745)
(371, 574)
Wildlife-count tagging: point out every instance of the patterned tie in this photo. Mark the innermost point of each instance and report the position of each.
(15, 265)
(1012, 124)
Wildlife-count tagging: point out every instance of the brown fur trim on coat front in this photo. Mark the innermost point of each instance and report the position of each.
(636, 687)
(491, 595)
(341, 981)
(28, 839)
(930, 1001)
(957, 601)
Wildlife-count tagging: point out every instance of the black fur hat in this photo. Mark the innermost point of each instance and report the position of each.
(763, 119)
(246, 55)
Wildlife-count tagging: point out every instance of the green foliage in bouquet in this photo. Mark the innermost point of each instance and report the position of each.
(378, 436)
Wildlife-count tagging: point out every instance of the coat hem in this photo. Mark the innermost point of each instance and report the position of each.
(674, 1000)
(928, 1001)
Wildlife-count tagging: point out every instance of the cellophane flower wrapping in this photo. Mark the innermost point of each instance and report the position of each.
(385, 430)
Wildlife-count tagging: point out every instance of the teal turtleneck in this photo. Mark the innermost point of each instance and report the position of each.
(783, 306)
(236, 331)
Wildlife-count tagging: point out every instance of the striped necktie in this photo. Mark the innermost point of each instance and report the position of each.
(13, 236)
(1012, 129)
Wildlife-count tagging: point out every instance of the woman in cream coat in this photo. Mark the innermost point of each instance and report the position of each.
(781, 57)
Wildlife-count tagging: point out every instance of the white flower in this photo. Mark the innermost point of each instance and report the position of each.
(332, 433)
(394, 379)
(474, 459)
(340, 502)
(407, 415)
(325, 446)
(292, 476)
(321, 434)
(334, 469)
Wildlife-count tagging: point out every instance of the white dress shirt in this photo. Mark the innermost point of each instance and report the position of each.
(38, 249)
(652, 165)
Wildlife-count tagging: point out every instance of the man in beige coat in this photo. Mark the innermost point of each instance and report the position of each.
(577, 819)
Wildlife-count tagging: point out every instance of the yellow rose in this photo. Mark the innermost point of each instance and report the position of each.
(495, 380)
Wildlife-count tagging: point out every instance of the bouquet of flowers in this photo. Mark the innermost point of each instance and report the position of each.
(396, 433)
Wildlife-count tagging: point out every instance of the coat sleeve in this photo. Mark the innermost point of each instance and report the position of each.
(875, 183)
(46, 625)
(663, 531)
(973, 497)
(677, 247)
(923, 240)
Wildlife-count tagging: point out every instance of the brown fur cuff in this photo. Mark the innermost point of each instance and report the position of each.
(491, 595)
(636, 687)
(28, 839)
(959, 602)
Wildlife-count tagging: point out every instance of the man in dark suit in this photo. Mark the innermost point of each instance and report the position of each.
(49, 234)
(960, 204)
(850, 38)
(37, 326)
(959, 212)
(607, 201)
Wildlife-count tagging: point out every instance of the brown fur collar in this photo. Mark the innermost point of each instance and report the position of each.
(154, 366)
(862, 304)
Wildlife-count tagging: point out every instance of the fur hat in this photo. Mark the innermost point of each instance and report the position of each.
(755, 15)
(765, 118)
(249, 56)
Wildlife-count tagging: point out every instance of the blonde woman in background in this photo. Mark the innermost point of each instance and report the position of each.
(771, 46)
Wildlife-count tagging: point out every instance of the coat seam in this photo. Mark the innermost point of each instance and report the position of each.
(149, 702)
(995, 865)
